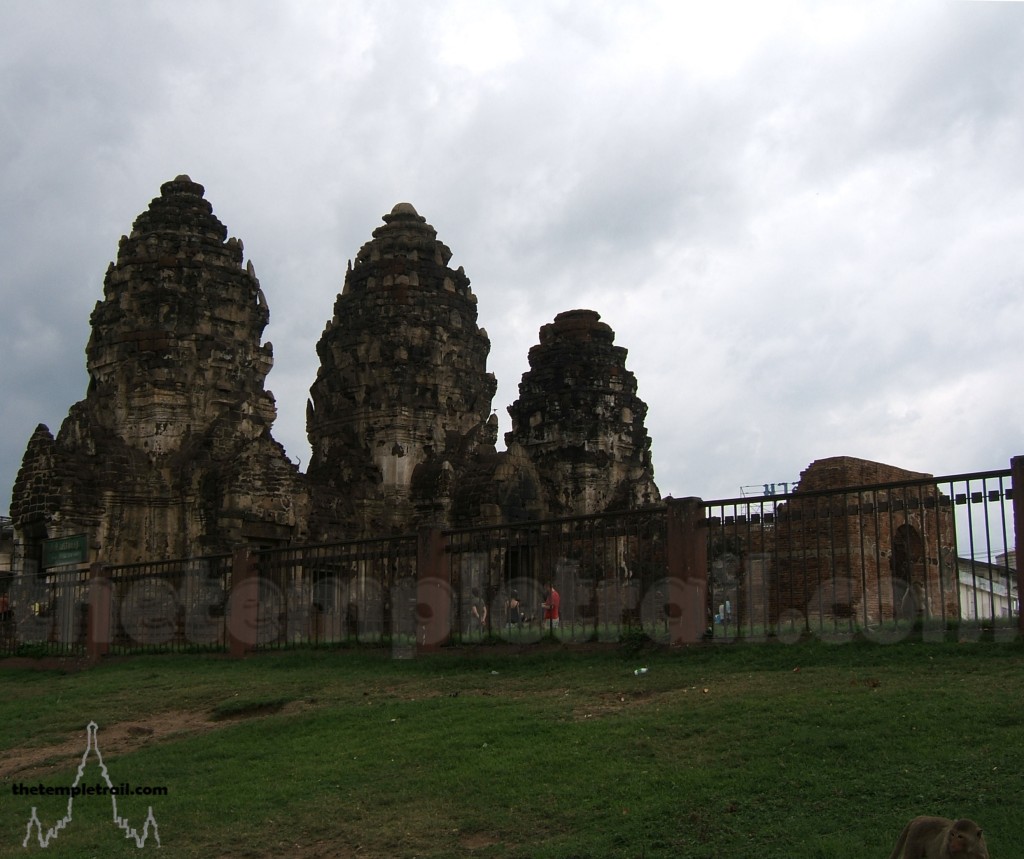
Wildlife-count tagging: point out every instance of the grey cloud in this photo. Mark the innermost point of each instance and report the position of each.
(808, 250)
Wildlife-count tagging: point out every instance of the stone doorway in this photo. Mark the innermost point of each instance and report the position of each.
(908, 574)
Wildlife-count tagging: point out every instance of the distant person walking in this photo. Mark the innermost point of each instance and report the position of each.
(477, 613)
(515, 610)
(550, 606)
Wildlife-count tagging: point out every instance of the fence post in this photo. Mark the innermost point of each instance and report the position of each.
(98, 634)
(1017, 481)
(687, 570)
(243, 603)
(433, 591)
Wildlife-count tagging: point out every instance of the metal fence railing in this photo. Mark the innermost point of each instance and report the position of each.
(607, 571)
(172, 605)
(361, 591)
(44, 616)
(877, 560)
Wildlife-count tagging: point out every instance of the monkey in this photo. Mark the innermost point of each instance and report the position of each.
(939, 838)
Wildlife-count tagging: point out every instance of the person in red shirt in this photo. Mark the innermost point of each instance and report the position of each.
(550, 605)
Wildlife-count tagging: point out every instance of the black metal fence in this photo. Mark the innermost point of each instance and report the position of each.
(361, 591)
(162, 606)
(607, 571)
(879, 561)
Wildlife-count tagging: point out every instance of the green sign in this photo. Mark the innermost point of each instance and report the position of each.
(65, 550)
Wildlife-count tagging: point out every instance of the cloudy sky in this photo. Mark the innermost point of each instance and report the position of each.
(805, 221)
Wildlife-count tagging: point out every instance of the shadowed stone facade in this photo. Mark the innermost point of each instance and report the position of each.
(170, 454)
(402, 399)
(580, 421)
(877, 554)
(881, 552)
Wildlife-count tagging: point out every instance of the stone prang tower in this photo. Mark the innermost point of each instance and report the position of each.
(170, 452)
(402, 399)
(580, 421)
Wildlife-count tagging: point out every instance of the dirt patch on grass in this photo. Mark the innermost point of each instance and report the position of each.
(247, 708)
(118, 739)
(65, 664)
(478, 841)
(609, 703)
(111, 739)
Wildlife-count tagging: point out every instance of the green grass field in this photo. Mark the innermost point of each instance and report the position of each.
(798, 751)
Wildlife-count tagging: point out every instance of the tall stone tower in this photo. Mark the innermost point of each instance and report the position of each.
(580, 421)
(170, 453)
(402, 399)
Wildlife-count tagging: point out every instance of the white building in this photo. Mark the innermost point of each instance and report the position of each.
(988, 590)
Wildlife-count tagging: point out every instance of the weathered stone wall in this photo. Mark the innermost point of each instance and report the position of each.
(870, 555)
(170, 453)
(6, 548)
(402, 399)
(176, 341)
(579, 420)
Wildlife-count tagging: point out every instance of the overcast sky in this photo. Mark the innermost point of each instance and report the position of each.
(805, 221)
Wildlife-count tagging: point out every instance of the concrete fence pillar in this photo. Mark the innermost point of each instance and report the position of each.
(687, 571)
(1017, 480)
(99, 633)
(243, 603)
(433, 591)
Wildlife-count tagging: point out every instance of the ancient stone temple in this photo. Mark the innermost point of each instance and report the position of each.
(170, 452)
(883, 551)
(402, 400)
(580, 422)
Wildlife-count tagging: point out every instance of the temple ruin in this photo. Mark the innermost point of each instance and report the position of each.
(857, 541)
(878, 554)
(580, 421)
(402, 399)
(171, 453)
